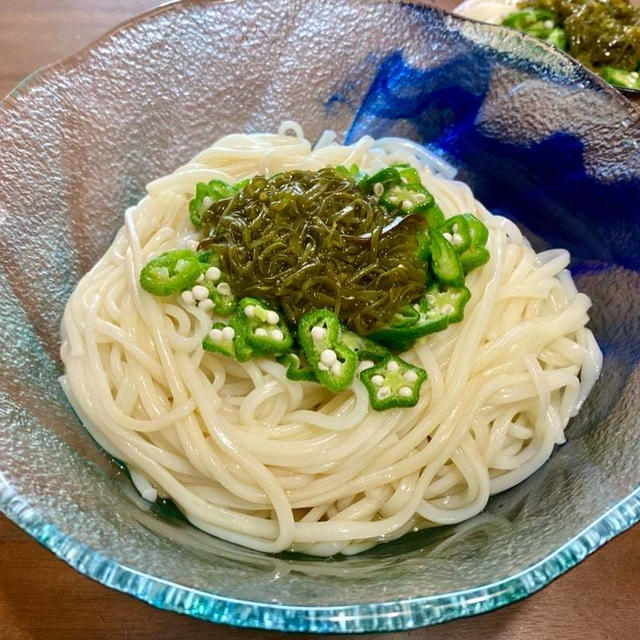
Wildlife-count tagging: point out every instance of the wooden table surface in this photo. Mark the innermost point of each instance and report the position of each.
(41, 597)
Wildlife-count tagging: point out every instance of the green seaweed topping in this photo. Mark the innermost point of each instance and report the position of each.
(305, 240)
(315, 253)
(598, 33)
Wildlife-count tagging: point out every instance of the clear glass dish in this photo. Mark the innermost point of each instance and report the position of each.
(536, 136)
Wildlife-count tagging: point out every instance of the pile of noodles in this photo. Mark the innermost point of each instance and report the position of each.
(254, 458)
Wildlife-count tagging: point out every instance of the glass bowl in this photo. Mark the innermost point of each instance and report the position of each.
(538, 138)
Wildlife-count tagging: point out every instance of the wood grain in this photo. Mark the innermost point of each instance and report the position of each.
(42, 598)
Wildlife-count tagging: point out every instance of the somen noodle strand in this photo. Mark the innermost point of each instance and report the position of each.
(272, 464)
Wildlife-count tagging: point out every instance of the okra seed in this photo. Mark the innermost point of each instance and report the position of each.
(207, 304)
(377, 380)
(188, 298)
(273, 317)
(224, 288)
(405, 392)
(407, 204)
(249, 311)
(336, 368)
(228, 333)
(215, 335)
(447, 236)
(213, 273)
(318, 333)
(276, 334)
(410, 376)
(447, 309)
(260, 332)
(393, 366)
(383, 392)
(199, 292)
(378, 189)
(328, 357)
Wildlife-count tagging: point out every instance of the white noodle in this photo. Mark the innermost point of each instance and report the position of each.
(422, 156)
(492, 11)
(254, 458)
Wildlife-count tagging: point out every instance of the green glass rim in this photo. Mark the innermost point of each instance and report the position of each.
(395, 615)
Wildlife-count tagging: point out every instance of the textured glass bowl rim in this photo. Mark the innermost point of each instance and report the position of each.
(369, 617)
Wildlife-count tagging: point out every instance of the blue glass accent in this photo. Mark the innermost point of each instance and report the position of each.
(544, 186)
